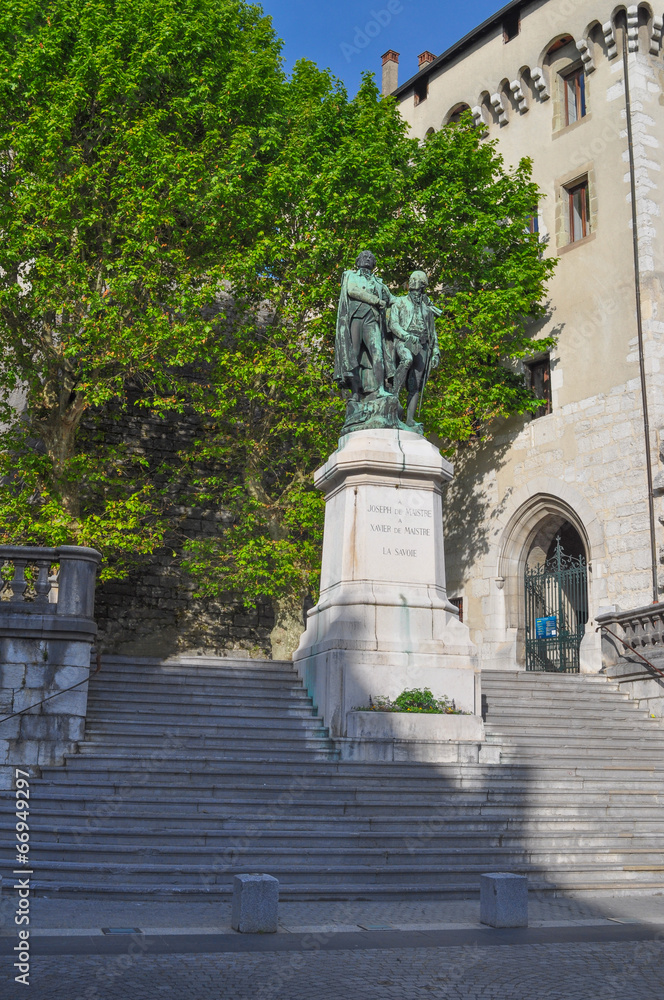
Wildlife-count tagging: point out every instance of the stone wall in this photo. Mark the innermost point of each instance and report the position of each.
(153, 611)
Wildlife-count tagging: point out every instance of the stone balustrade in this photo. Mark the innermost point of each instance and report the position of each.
(19, 589)
(46, 633)
(643, 630)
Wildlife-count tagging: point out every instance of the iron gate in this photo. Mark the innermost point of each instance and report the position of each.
(556, 612)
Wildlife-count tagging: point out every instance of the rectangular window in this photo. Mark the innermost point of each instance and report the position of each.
(533, 224)
(579, 211)
(539, 374)
(511, 25)
(458, 603)
(421, 90)
(575, 96)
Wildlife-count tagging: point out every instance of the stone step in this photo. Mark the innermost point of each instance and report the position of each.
(261, 754)
(267, 858)
(569, 736)
(213, 677)
(179, 664)
(195, 684)
(282, 782)
(558, 700)
(598, 728)
(229, 791)
(614, 713)
(583, 733)
(145, 875)
(512, 756)
(266, 726)
(634, 809)
(491, 836)
(591, 686)
(543, 677)
(118, 688)
(272, 707)
(353, 771)
(214, 716)
(79, 776)
(288, 732)
(292, 827)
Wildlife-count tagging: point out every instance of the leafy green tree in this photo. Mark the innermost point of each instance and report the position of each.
(348, 177)
(129, 132)
(177, 215)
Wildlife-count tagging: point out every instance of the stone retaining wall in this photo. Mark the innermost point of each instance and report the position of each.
(45, 644)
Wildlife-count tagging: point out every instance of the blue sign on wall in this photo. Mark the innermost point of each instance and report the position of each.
(546, 628)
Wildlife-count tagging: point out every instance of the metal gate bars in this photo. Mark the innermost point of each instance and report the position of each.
(556, 612)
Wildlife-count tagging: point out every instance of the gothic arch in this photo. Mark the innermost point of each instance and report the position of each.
(543, 502)
(555, 43)
(455, 112)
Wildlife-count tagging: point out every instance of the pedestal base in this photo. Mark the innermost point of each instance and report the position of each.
(383, 623)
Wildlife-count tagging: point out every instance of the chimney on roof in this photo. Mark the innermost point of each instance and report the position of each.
(424, 59)
(390, 72)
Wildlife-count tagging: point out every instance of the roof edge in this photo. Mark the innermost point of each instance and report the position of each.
(463, 43)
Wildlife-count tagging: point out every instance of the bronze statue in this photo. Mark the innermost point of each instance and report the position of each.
(383, 343)
(415, 341)
(360, 358)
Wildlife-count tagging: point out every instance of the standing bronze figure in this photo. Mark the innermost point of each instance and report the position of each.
(360, 359)
(412, 325)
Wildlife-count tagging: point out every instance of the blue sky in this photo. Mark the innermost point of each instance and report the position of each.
(333, 34)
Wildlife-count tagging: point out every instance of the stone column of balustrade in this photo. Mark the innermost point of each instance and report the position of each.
(46, 635)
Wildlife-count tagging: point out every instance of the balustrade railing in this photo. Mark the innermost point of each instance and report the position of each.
(643, 627)
(29, 575)
(45, 581)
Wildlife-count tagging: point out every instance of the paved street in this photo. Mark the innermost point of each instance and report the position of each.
(629, 971)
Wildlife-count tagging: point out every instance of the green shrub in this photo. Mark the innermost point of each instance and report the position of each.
(415, 700)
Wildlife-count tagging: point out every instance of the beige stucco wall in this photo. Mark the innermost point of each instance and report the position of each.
(587, 456)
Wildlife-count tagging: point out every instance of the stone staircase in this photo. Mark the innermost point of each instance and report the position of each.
(195, 770)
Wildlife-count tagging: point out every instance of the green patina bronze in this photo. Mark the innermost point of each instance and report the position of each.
(383, 344)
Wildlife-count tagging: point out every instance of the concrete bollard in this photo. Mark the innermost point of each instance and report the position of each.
(504, 900)
(255, 907)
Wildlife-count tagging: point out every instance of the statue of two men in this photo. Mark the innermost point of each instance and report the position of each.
(384, 342)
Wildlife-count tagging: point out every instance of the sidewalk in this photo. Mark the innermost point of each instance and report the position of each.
(604, 948)
(52, 916)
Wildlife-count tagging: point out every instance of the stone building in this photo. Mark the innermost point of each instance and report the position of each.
(547, 80)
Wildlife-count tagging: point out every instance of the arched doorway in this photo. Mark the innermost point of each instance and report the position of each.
(556, 597)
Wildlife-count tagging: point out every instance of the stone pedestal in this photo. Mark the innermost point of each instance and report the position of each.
(383, 622)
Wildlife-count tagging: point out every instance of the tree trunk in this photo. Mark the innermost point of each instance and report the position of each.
(58, 433)
(288, 626)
